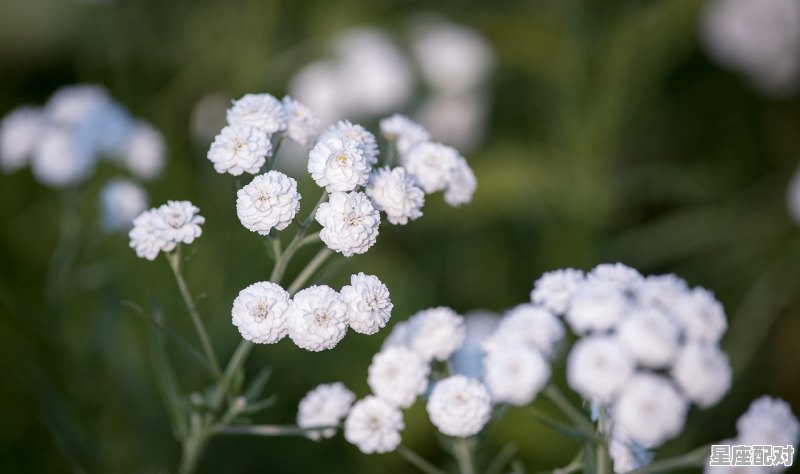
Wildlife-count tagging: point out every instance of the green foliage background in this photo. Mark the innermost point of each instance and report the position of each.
(612, 138)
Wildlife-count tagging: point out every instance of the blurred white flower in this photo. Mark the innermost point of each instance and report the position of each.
(262, 111)
(515, 373)
(598, 368)
(269, 201)
(398, 375)
(326, 405)
(121, 200)
(179, 222)
(792, 197)
(458, 120)
(650, 410)
(703, 373)
(259, 312)
(461, 185)
(770, 421)
(650, 336)
(20, 131)
(238, 149)
(396, 193)
(303, 125)
(433, 333)
(317, 318)
(530, 325)
(351, 131)
(660, 292)
(338, 163)
(146, 238)
(374, 425)
(760, 39)
(349, 223)
(555, 289)
(403, 132)
(701, 316)
(62, 158)
(615, 273)
(459, 406)
(318, 85)
(144, 151)
(71, 105)
(596, 306)
(369, 302)
(432, 164)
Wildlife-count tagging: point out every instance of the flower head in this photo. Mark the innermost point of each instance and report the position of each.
(303, 125)
(398, 375)
(269, 201)
(404, 132)
(62, 157)
(121, 201)
(349, 223)
(317, 318)
(143, 152)
(259, 312)
(361, 136)
(338, 163)
(238, 149)
(146, 239)
(262, 111)
(374, 425)
(529, 325)
(596, 306)
(433, 333)
(555, 289)
(459, 406)
(768, 420)
(598, 368)
(650, 336)
(650, 410)
(515, 373)
(179, 222)
(703, 373)
(369, 303)
(432, 164)
(396, 193)
(20, 131)
(326, 405)
(461, 184)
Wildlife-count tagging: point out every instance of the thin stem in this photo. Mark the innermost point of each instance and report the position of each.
(554, 394)
(270, 430)
(601, 448)
(462, 450)
(421, 463)
(502, 458)
(237, 359)
(316, 262)
(696, 458)
(174, 259)
(574, 466)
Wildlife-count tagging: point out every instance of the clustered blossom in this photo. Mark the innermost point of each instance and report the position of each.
(162, 229)
(269, 201)
(338, 163)
(433, 333)
(374, 425)
(64, 140)
(395, 192)
(318, 318)
(515, 373)
(398, 375)
(349, 223)
(325, 406)
(459, 406)
(260, 312)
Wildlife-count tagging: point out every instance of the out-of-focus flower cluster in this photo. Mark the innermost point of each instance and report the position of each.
(161, 229)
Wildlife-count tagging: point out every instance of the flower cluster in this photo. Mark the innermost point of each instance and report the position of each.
(162, 228)
(317, 317)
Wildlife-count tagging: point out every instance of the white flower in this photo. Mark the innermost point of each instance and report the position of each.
(20, 131)
(396, 193)
(179, 222)
(349, 223)
(461, 184)
(433, 333)
(238, 149)
(515, 373)
(398, 375)
(269, 201)
(261, 111)
(701, 316)
(326, 405)
(62, 158)
(71, 105)
(459, 120)
(353, 132)
(596, 306)
(303, 125)
(554, 289)
(459, 406)
(660, 292)
(650, 410)
(650, 336)
(530, 325)
(259, 312)
(369, 303)
(338, 163)
(598, 368)
(146, 238)
(760, 39)
(615, 273)
(432, 164)
(317, 318)
(121, 201)
(374, 426)
(144, 150)
(703, 373)
(768, 421)
(404, 132)
(792, 197)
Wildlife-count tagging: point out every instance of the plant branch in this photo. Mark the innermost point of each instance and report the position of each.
(696, 458)
(554, 394)
(269, 430)
(316, 262)
(462, 450)
(421, 463)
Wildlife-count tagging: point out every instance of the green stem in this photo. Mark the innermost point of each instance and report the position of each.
(237, 359)
(269, 430)
(421, 463)
(554, 394)
(574, 466)
(502, 458)
(462, 450)
(601, 448)
(316, 262)
(193, 446)
(696, 458)
(174, 259)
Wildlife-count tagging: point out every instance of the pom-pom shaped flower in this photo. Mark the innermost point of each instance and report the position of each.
(143, 152)
(433, 333)
(432, 164)
(650, 336)
(303, 125)
(239, 149)
(20, 131)
(262, 111)
(596, 306)
(62, 158)
(615, 273)
(396, 193)
(461, 185)
(768, 421)
(121, 201)
(179, 222)
(398, 375)
(702, 316)
(353, 132)
(326, 405)
(404, 132)
(529, 325)
(650, 410)
(369, 303)
(660, 292)
(259, 312)
(374, 425)
(703, 373)
(459, 406)
(598, 367)
(317, 318)
(349, 223)
(337, 163)
(146, 239)
(515, 373)
(555, 289)
(269, 201)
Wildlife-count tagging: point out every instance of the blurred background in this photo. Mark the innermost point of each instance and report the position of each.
(623, 130)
